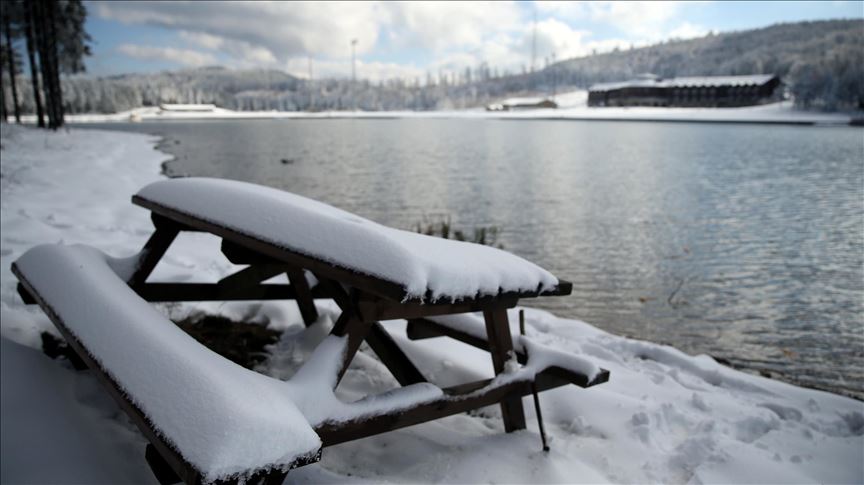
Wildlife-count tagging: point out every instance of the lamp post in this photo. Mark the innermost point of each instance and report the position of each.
(353, 74)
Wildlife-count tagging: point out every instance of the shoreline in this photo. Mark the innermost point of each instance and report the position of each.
(782, 113)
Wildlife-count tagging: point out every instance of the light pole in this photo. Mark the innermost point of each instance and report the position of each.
(353, 74)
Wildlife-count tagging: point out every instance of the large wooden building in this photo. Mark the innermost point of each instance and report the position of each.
(715, 91)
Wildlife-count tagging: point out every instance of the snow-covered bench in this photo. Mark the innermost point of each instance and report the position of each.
(209, 419)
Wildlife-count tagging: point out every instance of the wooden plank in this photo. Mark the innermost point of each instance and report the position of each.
(372, 284)
(356, 330)
(405, 372)
(420, 328)
(252, 275)
(241, 255)
(500, 346)
(26, 297)
(215, 292)
(153, 251)
(457, 399)
(376, 309)
(182, 468)
(303, 295)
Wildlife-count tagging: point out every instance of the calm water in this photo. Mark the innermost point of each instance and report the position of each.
(743, 242)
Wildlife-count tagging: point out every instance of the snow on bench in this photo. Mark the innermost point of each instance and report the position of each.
(427, 268)
(534, 356)
(226, 421)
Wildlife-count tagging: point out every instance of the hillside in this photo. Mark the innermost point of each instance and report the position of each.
(822, 64)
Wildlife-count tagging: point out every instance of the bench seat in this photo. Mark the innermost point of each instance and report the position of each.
(227, 422)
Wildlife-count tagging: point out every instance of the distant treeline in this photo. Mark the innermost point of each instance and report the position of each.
(821, 63)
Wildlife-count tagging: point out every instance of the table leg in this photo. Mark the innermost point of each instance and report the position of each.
(500, 345)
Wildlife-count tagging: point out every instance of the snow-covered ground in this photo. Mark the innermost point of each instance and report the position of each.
(663, 417)
(572, 106)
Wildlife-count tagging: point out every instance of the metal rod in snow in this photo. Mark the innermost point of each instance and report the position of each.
(534, 389)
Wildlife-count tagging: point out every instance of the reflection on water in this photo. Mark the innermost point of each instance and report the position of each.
(743, 242)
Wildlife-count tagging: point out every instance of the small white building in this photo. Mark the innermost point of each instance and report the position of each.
(187, 108)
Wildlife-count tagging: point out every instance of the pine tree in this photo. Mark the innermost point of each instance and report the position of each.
(12, 62)
(31, 56)
(3, 116)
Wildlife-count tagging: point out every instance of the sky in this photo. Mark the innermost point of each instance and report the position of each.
(406, 39)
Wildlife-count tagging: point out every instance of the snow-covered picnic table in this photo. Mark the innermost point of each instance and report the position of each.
(208, 419)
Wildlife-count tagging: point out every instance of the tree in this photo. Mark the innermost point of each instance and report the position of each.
(31, 56)
(12, 62)
(54, 29)
(3, 117)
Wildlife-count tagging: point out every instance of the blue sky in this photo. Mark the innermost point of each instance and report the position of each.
(406, 39)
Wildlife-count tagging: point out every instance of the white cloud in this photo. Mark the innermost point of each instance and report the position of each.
(636, 19)
(284, 29)
(448, 36)
(688, 31)
(445, 25)
(183, 57)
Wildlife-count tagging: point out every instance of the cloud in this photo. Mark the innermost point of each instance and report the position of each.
(441, 26)
(183, 57)
(636, 20)
(241, 54)
(687, 31)
(403, 39)
(284, 29)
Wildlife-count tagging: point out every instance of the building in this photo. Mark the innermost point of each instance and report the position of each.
(522, 103)
(187, 108)
(713, 92)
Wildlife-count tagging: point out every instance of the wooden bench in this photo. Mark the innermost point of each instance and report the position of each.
(372, 272)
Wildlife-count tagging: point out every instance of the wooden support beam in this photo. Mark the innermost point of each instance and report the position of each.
(422, 328)
(238, 254)
(356, 330)
(252, 275)
(375, 309)
(26, 297)
(153, 251)
(216, 292)
(303, 295)
(500, 347)
(457, 399)
(392, 356)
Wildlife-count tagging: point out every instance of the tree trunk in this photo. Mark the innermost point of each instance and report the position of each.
(11, 60)
(44, 37)
(31, 55)
(2, 96)
(55, 64)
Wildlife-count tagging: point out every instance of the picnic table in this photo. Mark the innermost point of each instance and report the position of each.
(372, 272)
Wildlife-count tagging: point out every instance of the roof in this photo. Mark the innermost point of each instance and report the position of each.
(187, 107)
(424, 267)
(681, 82)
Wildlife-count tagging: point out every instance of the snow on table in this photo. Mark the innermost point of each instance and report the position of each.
(224, 419)
(424, 266)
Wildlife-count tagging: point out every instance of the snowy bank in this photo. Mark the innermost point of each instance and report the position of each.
(572, 107)
(663, 417)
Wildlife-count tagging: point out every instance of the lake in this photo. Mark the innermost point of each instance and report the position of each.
(745, 242)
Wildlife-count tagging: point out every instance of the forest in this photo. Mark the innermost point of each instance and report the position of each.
(821, 64)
